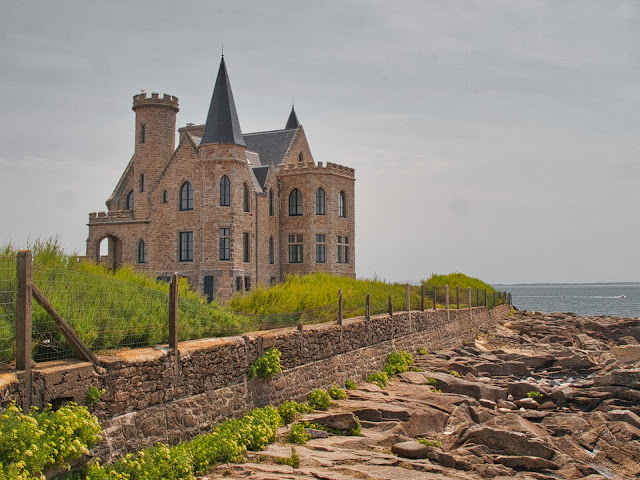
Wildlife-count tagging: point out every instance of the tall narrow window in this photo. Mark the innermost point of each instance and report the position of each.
(321, 248)
(143, 133)
(165, 197)
(186, 246)
(142, 182)
(225, 244)
(142, 252)
(300, 157)
(129, 201)
(342, 205)
(186, 196)
(245, 197)
(271, 251)
(245, 247)
(343, 249)
(225, 191)
(295, 203)
(295, 248)
(271, 202)
(320, 202)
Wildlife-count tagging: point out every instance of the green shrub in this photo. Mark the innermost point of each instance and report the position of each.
(31, 442)
(398, 362)
(430, 443)
(432, 381)
(454, 373)
(534, 394)
(319, 399)
(336, 392)
(350, 384)
(266, 365)
(93, 395)
(298, 434)
(354, 432)
(379, 378)
(289, 410)
(423, 351)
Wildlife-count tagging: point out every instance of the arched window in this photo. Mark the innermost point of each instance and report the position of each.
(271, 202)
(165, 197)
(320, 202)
(186, 196)
(245, 197)
(295, 203)
(129, 201)
(342, 205)
(142, 252)
(225, 191)
(300, 157)
(271, 251)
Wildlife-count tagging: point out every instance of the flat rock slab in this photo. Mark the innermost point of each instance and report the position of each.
(410, 449)
(526, 463)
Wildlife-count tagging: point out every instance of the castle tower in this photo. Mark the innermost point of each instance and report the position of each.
(155, 137)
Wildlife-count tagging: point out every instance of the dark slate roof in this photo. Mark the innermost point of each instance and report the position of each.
(271, 146)
(261, 174)
(292, 122)
(222, 124)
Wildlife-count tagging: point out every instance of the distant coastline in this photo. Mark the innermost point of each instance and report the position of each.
(567, 284)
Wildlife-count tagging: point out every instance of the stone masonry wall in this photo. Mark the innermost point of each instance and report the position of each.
(152, 398)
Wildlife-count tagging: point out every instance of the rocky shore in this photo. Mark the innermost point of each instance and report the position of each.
(543, 396)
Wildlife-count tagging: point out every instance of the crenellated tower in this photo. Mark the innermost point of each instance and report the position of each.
(155, 137)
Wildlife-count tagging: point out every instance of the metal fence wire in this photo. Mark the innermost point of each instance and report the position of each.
(8, 290)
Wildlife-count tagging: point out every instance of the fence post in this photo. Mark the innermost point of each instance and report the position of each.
(390, 307)
(446, 296)
(367, 308)
(340, 306)
(457, 298)
(407, 300)
(422, 297)
(485, 297)
(477, 297)
(470, 298)
(435, 298)
(173, 313)
(493, 301)
(23, 323)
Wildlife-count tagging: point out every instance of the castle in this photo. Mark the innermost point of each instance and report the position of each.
(226, 209)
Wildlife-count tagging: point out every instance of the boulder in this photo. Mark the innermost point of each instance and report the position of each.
(625, 378)
(339, 421)
(527, 403)
(477, 390)
(519, 369)
(511, 443)
(624, 416)
(626, 353)
(410, 449)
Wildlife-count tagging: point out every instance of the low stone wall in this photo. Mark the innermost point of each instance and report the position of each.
(150, 397)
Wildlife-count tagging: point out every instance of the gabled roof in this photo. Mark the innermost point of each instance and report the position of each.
(222, 125)
(261, 174)
(271, 146)
(292, 122)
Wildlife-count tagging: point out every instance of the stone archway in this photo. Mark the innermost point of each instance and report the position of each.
(114, 252)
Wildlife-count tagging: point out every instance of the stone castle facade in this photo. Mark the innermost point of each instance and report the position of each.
(225, 209)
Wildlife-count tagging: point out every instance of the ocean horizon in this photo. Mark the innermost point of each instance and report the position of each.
(616, 299)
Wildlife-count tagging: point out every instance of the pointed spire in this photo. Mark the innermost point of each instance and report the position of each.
(293, 120)
(222, 124)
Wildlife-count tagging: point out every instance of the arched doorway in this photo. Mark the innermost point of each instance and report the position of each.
(109, 251)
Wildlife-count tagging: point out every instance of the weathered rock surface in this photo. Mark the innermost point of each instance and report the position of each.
(544, 396)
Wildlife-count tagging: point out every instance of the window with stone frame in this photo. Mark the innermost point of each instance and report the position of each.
(142, 252)
(320, 202)
(321, 248)
(165, 197)
(342, 205)
(271, 251)
(225, 244)
(186, 247)
(245, 247)
(143, 133)
(342, 249)
(141, 182)
(225, 191)
(129, 201)
(186, 197)
(295, 249)
(271, 202)
(295, 203)
(245, 197)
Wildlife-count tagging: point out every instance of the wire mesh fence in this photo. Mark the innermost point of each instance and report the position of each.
(110, 314)
(8, 289)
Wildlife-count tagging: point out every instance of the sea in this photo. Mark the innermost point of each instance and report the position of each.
(611, 299)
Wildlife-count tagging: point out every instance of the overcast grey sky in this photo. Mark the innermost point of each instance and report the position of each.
(496, 138)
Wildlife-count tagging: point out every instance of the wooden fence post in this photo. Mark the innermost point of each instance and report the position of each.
(485, 297)
(458, 298)
(469, 297)
(435, 298)
(340, 306)
(390, 307)
(367, 308)
(422, 297)
(446, 296)
(173, 314)
(23, 323)
(477, 297)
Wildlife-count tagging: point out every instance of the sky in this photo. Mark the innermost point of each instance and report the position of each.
(495, 138)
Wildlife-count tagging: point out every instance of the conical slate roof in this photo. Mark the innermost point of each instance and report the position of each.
(222, 124)
(293, 120)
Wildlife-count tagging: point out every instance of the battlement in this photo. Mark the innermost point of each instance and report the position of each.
(309, 166)
(108, 217)
(142, 100)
